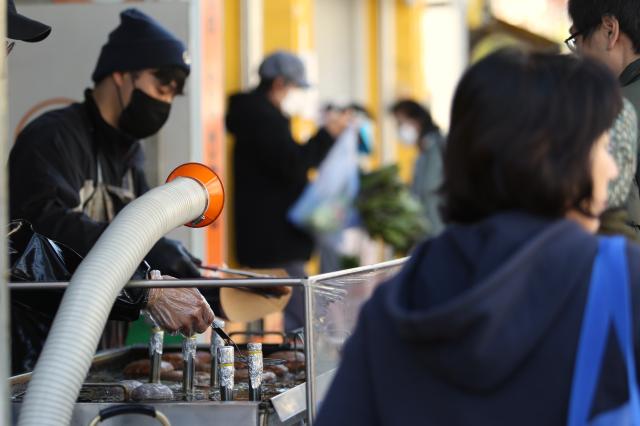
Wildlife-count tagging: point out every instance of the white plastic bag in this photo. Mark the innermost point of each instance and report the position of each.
(325, 207)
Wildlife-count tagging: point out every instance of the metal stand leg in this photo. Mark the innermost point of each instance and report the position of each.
(308, 352)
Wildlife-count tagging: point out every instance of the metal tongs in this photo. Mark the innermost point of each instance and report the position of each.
(241, 357)
(264, 291)
(231, 271)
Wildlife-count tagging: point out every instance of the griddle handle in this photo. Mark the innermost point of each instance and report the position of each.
(119, 410)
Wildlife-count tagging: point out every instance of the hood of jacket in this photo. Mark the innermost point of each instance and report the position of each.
(475, 302)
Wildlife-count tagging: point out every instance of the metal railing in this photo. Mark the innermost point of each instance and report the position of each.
(204, 283)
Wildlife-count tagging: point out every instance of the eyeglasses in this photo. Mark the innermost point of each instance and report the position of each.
(571, 42)
(10, 45)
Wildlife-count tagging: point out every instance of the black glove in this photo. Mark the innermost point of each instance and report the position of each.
(170, 257)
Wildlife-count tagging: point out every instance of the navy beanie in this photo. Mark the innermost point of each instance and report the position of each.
(138, 43)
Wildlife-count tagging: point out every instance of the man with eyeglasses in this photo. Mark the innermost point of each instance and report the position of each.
(609, 31)
(19, 27)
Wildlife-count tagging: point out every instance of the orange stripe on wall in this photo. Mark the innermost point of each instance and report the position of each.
(232, 75)
(211, 86)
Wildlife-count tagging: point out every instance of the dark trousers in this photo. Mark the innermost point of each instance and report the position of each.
(294, 312)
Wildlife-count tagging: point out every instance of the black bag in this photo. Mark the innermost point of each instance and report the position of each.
(35, 258)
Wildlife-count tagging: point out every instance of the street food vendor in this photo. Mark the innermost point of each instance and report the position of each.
(72, 170)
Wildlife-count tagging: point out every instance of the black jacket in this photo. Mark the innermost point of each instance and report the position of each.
(479, 328)
(270, 173)
(49, 163)
(51, 160)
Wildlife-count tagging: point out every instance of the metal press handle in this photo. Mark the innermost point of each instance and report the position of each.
(119, 410)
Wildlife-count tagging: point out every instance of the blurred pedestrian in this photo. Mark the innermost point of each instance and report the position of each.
(609, 31)
(481, 327)
(416, 128)
(624, 150)
(271, 171)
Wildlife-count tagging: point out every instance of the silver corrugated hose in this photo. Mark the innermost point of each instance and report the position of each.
(69, 349)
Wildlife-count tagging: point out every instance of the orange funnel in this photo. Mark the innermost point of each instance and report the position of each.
(213, 185)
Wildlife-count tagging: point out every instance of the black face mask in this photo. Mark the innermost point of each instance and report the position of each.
(144, 116)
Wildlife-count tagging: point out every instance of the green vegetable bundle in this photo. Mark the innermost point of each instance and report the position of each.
(389, 211)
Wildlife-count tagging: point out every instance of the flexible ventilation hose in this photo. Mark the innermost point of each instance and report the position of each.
(72, 341)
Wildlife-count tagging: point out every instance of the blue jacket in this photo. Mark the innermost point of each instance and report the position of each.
(479, 328)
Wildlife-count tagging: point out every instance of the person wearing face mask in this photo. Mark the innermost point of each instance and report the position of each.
(270, 172)
(73, 169)
(416, 128)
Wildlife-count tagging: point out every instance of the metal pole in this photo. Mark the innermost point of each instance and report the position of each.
(309, 355)
(5, 342)
(189, 348)
(359, 270)
(155, 354)
(255, 367)
(226, 360)
(217, 283)
(216, 342)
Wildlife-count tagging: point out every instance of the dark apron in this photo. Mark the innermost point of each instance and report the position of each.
(101, 202)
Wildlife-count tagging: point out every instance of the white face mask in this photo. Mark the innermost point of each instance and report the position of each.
(293, 103)
(407, 134)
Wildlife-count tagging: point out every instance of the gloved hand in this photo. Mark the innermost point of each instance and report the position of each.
(172, 258)
(181, 310)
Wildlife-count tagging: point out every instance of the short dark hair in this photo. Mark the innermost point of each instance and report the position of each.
(417, 112)
(521, 135)
(587, 16)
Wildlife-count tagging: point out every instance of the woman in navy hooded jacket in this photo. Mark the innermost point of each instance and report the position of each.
(481, 326)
